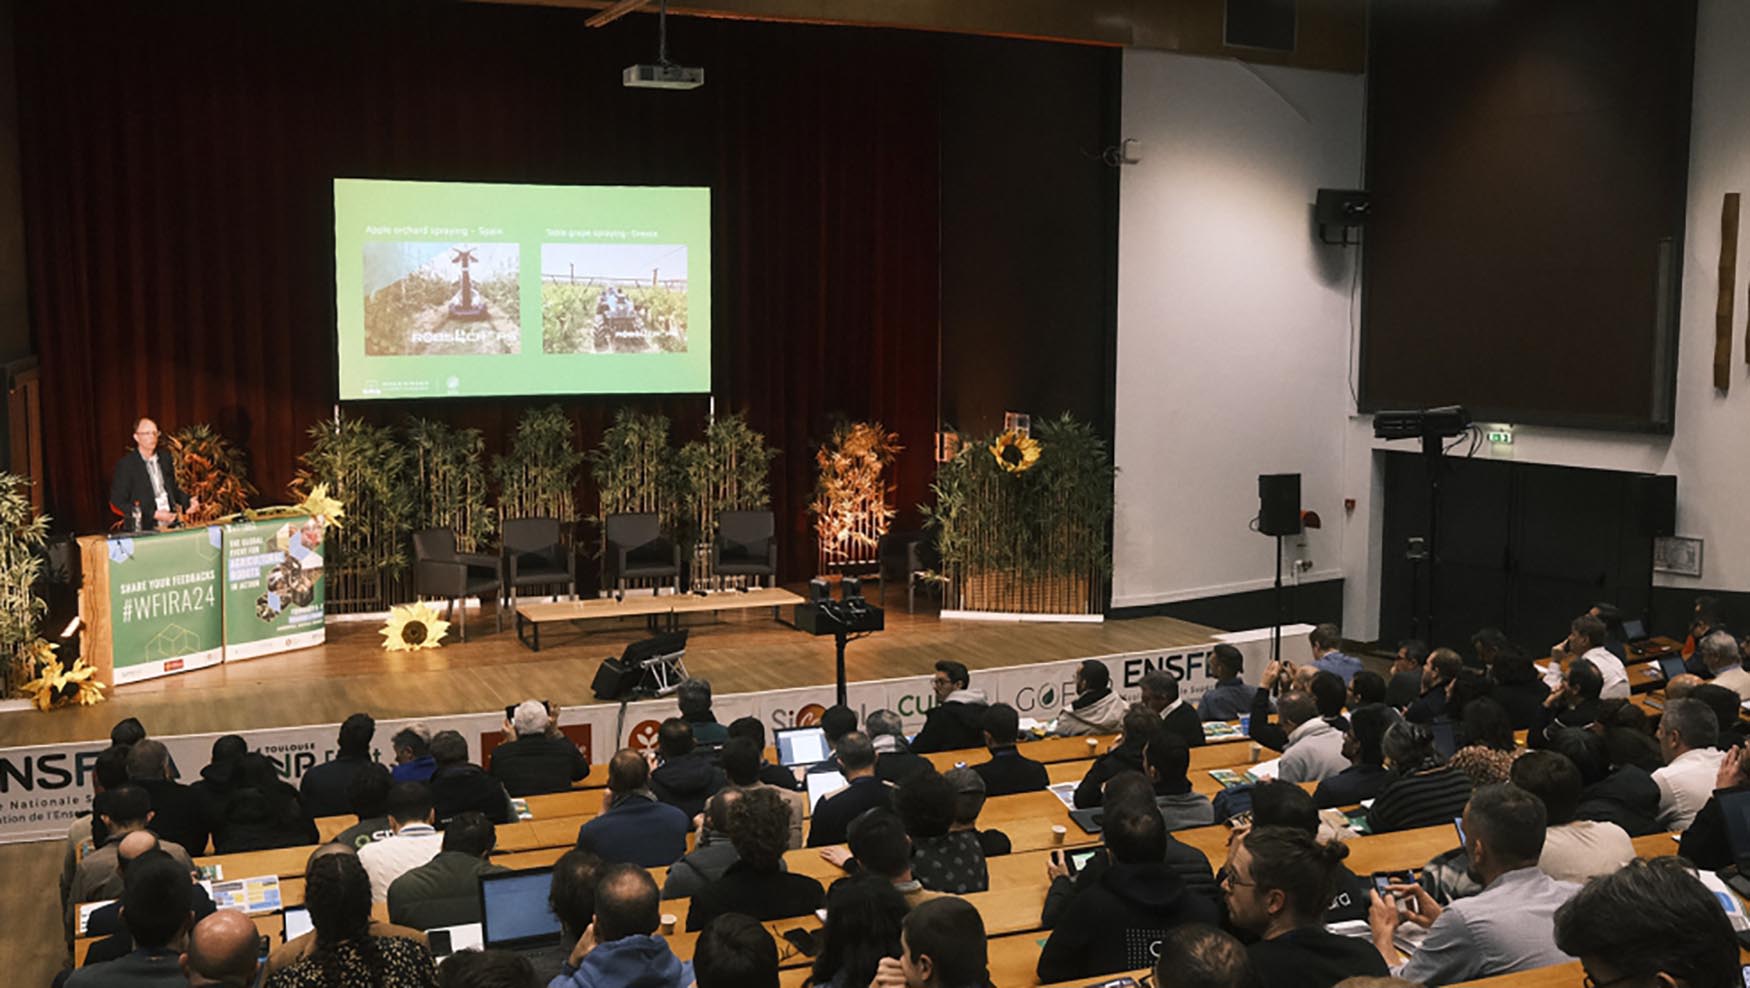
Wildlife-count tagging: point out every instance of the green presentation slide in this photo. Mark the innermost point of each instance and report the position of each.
(455, 289)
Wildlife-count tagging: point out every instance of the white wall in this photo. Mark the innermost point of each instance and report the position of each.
(1233, 325)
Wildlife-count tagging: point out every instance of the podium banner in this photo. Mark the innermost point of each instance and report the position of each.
(164, 603)
(273, 587)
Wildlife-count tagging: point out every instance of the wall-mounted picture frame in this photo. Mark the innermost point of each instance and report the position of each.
(1677, 555)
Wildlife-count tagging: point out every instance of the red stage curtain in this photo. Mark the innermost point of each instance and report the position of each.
(177, 163)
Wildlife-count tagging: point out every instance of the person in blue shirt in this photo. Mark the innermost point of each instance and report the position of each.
(1326, 641)
(1230, 697)
(413, 760)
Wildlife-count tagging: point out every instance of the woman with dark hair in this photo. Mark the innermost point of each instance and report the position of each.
(338, 894)
(863, 916)
(1489, 750)
(1518, 687)
(1425, 791)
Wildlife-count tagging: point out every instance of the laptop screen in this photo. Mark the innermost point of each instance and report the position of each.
(298, 923)
(1633, 630)
(821, 783)
(1735, 807)
(513, 907)
(1672, 666)
(801, 746)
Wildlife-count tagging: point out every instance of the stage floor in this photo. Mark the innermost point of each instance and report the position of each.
(744, 652)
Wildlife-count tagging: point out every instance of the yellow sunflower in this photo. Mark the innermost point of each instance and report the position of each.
(412, 627)
(1014, 452)
(58, 686)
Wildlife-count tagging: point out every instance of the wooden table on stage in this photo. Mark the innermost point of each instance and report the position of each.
(531, 616)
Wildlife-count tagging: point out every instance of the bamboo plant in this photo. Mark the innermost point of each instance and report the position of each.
(851, 507)
(370, 470)
(538, 478)
(22, 535)
(450, 480)
(723, 470)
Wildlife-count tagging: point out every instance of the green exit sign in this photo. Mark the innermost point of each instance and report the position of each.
(1501, 435)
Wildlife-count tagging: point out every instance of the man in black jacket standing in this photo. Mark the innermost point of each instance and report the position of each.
(144, 489)
(324, 787)
(957, 720)
(1008, 771)
(538, 759)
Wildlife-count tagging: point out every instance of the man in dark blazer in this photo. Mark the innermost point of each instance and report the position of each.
(145, 481)
(1008, 771)
(1160, 692)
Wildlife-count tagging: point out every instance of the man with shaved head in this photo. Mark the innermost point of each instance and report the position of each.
(126, 809)
(300, 947)
(107, 921)
(224, 951)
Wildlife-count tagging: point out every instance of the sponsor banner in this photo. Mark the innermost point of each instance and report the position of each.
(43, 787)
(273, 587)
(164, 603)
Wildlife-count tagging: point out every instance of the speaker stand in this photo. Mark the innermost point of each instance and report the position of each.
(1276, 629)
(839, 639)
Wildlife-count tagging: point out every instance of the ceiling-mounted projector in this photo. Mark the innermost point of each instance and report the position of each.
(662, 76)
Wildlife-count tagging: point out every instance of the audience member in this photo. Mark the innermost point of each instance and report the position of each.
(1277, 883)
(1486, 645)
(756, 883)
(694, 699)
(445, 891)
(1509, 925)
(879, 846)
(621, 948)
(413, 838)
(1573, 850)
(487, 969)
(538, 758)
(1518, 688)
(571, 896)
(1007, 771)
(1160, 693)
(1140, 724)
(894, 760)
(1574, 705)
(1197, 955)
(1651, 923)
(158, 910)
(263, 811)
(1167, 762)
(1131, 792)
(300, 947)
(769, 774)
(1117, 922)
(347, 954)
(1687, 732)
(862, 791)
(863, 918)
(1585, 640)
(734, 951)
(942, 946)
(1625, 795)
(1424, 792)
(1367, 687)
(836, 721)
(127, 809)
(1280, 804)
(218, 779)
(743, 767)
(323, 790)
(1707, 843)
(1705, 619)
(943, 859)
(1314, 751)
(177, 814)
(1330, 695)
(458, 785)
(127, 732)
(1726, 707)
(712, 852)
(635, 826)
(1406, 674)
(1489, 749)
(1682, 685)
(224, 951)
(1230, 697)
(413, 760)
(367, 794)
(1725, 664)
(1472, 684)
(1438, 674)
(969, 794)
(1366, 775)
(685, 776)
(106, 921)
(1097, 707)
(87, 833)
(1327, 642)
(957, 719)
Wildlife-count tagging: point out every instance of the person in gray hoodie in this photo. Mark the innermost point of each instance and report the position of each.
(1097, 708)
(1315, 748)
(712, 853)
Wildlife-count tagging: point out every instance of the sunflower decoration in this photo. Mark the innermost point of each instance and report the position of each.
(412, 627)
(57, 685)
(1015, 452)
(320, 506)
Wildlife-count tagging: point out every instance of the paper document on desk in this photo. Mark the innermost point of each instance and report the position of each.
(85, 911)
(1065, 791)
(260, 894)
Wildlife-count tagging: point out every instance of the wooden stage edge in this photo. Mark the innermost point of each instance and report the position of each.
(739, 653)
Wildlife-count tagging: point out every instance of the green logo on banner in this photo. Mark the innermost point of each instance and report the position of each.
(164, 602)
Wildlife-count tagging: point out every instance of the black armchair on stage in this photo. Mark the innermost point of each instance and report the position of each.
(636, 549)
(535, 555)
(746, 545)
(908, 554)
(440, 571)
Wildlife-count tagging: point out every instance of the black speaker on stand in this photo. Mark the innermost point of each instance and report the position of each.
(1278, 516)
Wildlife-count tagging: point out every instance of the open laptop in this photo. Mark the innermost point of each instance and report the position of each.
(822, 783)
(1671, 666)
(1735, 807)
(297, 923)
(1633, 631)
(514, 916)
(801, 746)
